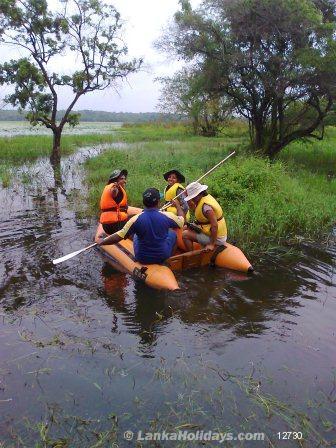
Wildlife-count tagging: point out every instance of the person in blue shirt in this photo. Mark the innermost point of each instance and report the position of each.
(153, 241)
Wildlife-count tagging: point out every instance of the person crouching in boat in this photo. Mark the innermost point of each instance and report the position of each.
(175, 180)
(153, 240)
(209, 219)
(113, 202)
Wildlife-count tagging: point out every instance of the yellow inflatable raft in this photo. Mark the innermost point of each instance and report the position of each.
(121, 257)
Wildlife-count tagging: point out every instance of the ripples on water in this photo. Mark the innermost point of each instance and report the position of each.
(87, 349)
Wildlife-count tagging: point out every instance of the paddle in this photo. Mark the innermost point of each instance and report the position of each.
(73, 254)
(202, 177)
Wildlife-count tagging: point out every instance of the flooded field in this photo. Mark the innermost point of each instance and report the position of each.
(12, 128)
(89, 357)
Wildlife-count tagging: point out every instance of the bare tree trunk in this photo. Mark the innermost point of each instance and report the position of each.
(258, 133)
(195, 123)
(55, 157)
(281, 119)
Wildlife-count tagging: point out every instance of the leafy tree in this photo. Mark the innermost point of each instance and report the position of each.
(186, 94)
(87, 29)
(274, 58)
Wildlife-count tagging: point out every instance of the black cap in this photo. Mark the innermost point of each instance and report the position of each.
(117, 173)
(150, 197)
(179, 176)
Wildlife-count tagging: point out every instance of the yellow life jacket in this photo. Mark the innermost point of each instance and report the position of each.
(203, 221)
(169, 194)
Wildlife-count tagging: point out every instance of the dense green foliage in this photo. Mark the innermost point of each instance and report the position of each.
(264, 203)
(186, 93)
(274, 59)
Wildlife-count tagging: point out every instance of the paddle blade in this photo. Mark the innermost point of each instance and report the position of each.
(73, 254)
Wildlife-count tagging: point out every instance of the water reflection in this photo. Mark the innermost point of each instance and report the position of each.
(241, 305)
(143, 311)
(38, 223)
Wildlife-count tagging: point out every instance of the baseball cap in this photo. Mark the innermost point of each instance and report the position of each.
(117, 173)
(150, 197)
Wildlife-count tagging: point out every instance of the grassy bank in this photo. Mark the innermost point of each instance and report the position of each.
(264, 204)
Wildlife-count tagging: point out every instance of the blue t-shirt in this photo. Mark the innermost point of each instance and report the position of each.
(151, 228)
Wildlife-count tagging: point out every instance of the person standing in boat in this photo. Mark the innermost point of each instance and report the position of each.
(153, 241)
(210, 223)
(175, 180)
(113, 202)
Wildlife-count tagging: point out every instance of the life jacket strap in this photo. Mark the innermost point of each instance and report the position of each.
(206, 223)
(115, 209)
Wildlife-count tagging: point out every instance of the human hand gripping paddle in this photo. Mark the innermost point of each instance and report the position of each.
(77, 252)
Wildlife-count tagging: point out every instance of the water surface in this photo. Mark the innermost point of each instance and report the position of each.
(13, 128)
(87, 353)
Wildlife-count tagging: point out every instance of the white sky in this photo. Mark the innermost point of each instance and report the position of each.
(144, 23)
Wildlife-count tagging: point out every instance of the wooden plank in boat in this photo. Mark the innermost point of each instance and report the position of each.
(189, 260)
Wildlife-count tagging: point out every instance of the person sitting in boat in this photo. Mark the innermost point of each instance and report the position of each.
(153, 240)
(175, 180)
(113, 203)
(210, 230)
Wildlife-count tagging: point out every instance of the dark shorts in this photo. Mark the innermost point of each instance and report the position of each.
(115, 227)
(169, 245)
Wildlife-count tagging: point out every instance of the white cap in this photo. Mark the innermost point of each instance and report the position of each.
(194, 189)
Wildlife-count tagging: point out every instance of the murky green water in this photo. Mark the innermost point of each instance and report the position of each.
(87, 354)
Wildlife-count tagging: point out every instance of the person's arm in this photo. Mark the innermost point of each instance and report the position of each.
(175, 221)
(114, 190)
(181, 200)
(112, 239)
(210, 214)
(180, 211)
(125, 232)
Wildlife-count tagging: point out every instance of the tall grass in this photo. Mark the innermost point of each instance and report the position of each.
(266, 204)
(315, 155)
(153, 132)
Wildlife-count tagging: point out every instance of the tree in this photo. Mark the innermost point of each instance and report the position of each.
(274, 58)
(186, 94)
(86, 29)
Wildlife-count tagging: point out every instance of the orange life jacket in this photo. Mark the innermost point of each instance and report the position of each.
(111, 211)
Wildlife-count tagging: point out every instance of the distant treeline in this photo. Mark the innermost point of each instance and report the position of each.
(97, 115)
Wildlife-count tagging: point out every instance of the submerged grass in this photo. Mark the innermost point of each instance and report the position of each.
(264, 204)
(27, 148)
(191, 408)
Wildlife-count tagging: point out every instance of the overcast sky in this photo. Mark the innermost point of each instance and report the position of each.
(144, 22)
